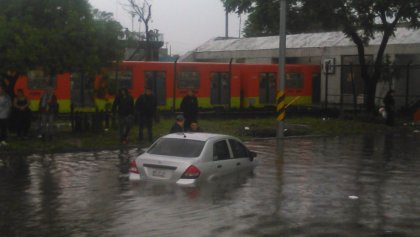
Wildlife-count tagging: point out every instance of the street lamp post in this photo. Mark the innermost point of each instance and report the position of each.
(281, 108)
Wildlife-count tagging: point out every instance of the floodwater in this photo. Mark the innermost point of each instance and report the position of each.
(330, 186)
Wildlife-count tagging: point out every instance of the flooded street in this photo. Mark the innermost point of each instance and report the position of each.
(330, 186)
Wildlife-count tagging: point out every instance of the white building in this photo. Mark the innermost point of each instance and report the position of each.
(403, 50)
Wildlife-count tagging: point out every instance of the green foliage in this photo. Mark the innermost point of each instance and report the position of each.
(315, 15)
(57, 36)
(263, 19)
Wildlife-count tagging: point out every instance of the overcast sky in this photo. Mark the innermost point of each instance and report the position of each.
(185, 24)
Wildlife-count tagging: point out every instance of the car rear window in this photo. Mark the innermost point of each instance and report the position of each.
(177, 147)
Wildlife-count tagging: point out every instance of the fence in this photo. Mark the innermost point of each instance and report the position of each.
(349, 90)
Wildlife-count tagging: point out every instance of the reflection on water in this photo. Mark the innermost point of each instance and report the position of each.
(342, 186)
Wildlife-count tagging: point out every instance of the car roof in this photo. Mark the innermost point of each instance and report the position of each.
(196, 136)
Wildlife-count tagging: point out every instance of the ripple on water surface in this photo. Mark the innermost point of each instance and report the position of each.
(341, 186)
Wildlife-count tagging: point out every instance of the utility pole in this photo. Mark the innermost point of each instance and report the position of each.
(281, 109)
(240, 26)
(227, 24)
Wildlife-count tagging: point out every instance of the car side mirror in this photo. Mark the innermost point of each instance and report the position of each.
(252, 155)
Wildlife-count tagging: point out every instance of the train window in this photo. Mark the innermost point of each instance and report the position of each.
(117, 79)
(267, 88)
(155, 80)
(294, 80)
(189, 80)
(38, 80)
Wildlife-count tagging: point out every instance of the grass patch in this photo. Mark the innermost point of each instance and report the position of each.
(66, 140)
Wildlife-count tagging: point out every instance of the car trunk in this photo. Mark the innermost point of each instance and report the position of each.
(164, 167)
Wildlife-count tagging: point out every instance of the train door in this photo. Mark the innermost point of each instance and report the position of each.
(113, 80)
(156, 81)
(316, 88)
(267, 88)
(220, 88)
(82, 90)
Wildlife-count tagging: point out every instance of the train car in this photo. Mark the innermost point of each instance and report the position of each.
(259, 84)
(36, 82)
(135, 76)
(217, 85)
(170, 82)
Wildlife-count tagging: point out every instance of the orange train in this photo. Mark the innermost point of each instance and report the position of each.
(231, 86)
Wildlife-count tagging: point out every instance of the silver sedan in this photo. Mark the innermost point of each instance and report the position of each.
(189, 158)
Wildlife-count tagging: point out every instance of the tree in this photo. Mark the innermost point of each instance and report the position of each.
(360, 20)
(144, 13)
(56, 36)
(263, 19)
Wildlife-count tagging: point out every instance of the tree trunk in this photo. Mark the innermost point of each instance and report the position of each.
(369, 82)
(370, 85)
(373, 80)
(147, 48)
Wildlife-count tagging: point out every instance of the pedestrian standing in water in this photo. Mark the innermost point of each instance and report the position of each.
(146, 111)
(189, 108)
(178, 126)
(389, 103)
(48, 109)
(5, 106)
(124, 106)
(22, 114)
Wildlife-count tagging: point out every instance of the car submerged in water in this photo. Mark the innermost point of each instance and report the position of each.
(190, 158)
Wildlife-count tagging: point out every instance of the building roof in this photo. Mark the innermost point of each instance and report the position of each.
(308, 40)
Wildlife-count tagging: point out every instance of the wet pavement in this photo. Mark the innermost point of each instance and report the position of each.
(331, 186)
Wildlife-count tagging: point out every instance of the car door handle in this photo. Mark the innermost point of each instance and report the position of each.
(238, 164)
(219, 166)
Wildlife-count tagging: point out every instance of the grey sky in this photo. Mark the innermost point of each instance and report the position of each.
(185, 24)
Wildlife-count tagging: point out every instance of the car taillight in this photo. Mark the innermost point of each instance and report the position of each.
(133, 167)
(191, 172)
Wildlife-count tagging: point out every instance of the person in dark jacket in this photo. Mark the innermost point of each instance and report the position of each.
(146, 111)
(389, 104)
(189, 108)
(22, 114)
(124, 106)
(178, 126)
(5, 107)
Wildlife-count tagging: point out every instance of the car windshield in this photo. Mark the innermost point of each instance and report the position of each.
(177, 147)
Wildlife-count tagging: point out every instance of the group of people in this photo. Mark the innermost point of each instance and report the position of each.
(21, 114)
(18, 109)
(145, 110)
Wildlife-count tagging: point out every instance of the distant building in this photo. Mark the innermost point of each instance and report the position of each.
(136, 46)
(344, 81)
